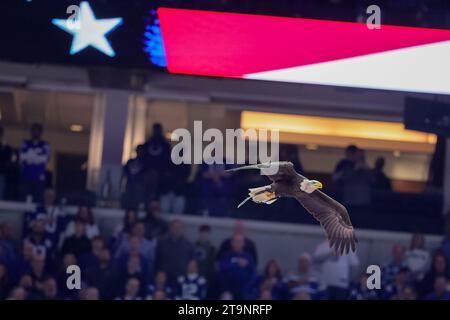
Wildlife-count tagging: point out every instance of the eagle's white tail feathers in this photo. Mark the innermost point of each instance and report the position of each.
(260, 195)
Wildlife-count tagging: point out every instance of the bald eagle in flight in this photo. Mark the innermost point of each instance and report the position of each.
(332, 215)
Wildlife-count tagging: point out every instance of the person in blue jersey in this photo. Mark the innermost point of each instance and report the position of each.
(237, 268)
(34, 156)
(191, 286)
(159, 284)
(249, 244)
(393, 290)
(360, 291)
(56, 219)
(40, 240)
(397, 262)
(271, 280)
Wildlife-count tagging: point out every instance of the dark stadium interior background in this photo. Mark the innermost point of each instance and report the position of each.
(95, 112)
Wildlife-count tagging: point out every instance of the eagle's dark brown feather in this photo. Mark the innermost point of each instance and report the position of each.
(332, 215)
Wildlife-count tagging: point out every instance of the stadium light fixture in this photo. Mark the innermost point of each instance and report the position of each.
(338, 132)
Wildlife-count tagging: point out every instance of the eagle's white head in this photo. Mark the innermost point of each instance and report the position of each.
(309, 186)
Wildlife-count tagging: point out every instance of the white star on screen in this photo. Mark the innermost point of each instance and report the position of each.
(89, 31)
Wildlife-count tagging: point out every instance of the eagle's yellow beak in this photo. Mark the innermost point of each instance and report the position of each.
(318, 184)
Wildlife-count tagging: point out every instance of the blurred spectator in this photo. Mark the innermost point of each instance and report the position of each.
(4, 281)
(18, 293)
(409, 293)
(134, 247)
(123, 230)
(7, 247)
(89, 293)
(34, 156)
(68, 259)
(380, 180)
(445, 245)
(393, 291)
(91, 258)
(132, 289)
(7, 236)
(271, 280)
(215, 189)
(359, 291)
(5, 163)
(249, 245)
(26, 282)
(438, 269)
(345, 164)
(84, 214)
(191, 286)
(304, 280)
(440, 291)
(173, 187)
(417, 259)
(266, 294)
(159, 285)
(226, 296)
(50, 290)
(356, 182)
(174, 251)
(56, 220)
(398, 262)
(133, 265)
(23, 263)
(40, 240)
(102, 275)
(77, 244)
(38, 273)
(145, 247)
(335, 270)
(205, 253)
(302, 295)
(155, 225)
(157, 160)
(237, 268)
(159, 295)
(133, 179)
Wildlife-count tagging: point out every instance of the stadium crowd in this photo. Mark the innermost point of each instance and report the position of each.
(148, 257)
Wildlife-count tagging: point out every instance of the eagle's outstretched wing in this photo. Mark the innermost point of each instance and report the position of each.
(333, 217)
(285, 170)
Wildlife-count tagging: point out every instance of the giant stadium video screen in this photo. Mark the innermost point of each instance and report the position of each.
(232, 45)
